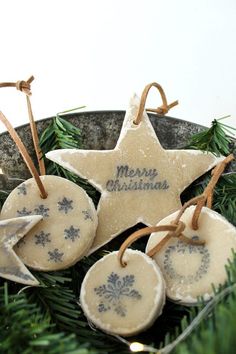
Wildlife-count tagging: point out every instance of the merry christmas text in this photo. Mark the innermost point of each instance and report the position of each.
(135, 179)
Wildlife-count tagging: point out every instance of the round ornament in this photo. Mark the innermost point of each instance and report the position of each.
(123, 300)
(191, 270)
(68, 227)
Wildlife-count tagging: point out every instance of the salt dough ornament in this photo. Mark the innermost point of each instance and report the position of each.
(123, 300)
(139, 181)
(68, 227)
(12, 231)
(190, 271)
(69, 217)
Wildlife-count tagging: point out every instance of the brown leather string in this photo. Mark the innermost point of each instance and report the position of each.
(162, 110)
(177, 227)
(25, 87)
(207, 195)
(22, 85)
(175, 230)
(24, 154)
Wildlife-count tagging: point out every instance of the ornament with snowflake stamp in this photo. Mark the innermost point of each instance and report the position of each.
(191, 270)
(66, 232)
(139, 180)
(123, 300)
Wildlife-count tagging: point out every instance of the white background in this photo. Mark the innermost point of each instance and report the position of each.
(97, 53)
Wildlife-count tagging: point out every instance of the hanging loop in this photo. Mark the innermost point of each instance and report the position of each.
(162, 110)
(175, 230)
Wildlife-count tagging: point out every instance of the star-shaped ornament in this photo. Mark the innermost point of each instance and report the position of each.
(12, 231)
(139, 181)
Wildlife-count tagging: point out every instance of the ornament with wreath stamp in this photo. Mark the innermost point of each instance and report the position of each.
(69, 217)
(190, 271)
(126, 297)
(139, 181)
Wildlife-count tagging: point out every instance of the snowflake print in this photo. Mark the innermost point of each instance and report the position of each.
(23, 212)
(42, 210)
(112, 293)
(22, 189)
(71, 233)
(65, 205)
(42, 238)
(55, 256)
(87, 215)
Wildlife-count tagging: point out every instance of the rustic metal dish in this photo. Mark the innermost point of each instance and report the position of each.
(99, 130)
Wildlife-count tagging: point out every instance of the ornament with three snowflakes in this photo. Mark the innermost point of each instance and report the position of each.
(69, 217)
(139, 181)
(190, 271)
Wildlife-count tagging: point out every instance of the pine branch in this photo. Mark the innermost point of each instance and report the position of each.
(224, 198)
(24, 329)
(61, 134)
(214, 139)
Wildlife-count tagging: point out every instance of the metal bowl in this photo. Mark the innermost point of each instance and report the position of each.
(99, 130)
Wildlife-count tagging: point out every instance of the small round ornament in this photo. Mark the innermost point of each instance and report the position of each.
(191, 270)
(123, 300)
(68, 227)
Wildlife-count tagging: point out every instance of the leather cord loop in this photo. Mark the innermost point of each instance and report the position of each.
(162, 110)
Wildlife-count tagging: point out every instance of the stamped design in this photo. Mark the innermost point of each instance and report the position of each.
(87, 215)
(65, 205)
(42, 238)
(72, 233)
(42, 210)
(183, 248)
(22, 189)
(116, 289)
(15, 271)
(129, 178)
(23, 212)
(55, 256)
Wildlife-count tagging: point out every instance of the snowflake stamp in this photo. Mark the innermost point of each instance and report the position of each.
(23, 212)
(55, 256)
(72, 233)
(114, 291)
(42, 210)
(42, 238)
(65, 205)
(87, 215)
(22, 189)
(183, 248)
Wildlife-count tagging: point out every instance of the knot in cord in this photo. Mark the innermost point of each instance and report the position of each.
(180, 226)
(24, 86)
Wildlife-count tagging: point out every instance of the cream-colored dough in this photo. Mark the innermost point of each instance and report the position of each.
(139, 181)
(12, 231)
(126, 300)
(190, 270)
(68, 227)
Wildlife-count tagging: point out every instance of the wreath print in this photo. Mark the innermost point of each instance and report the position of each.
(183, 248)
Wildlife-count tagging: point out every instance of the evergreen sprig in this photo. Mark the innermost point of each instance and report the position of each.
(24, 329)
(61, 134)
(214, 139)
